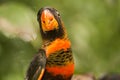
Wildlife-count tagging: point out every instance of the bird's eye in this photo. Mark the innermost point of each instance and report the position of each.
(58, 13)
(44, 22)
(51, 19)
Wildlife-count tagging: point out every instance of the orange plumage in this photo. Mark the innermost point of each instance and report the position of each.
(57, 45)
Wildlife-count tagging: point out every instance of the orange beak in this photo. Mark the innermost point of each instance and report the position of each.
(48, 21)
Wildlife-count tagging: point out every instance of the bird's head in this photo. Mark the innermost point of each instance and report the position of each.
(50, 23)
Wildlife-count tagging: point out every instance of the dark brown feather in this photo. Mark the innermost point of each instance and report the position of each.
(37, 64)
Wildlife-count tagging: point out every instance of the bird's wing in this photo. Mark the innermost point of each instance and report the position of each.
(37, 66)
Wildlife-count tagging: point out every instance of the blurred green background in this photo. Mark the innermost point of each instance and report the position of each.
(93, 27)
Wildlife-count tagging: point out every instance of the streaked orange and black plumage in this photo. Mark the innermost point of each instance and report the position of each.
(58, 61)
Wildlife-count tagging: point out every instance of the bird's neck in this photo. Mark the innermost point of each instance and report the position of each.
(56, 45)
(53, 34)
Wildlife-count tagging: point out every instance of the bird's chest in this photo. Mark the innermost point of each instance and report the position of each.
(59, 65)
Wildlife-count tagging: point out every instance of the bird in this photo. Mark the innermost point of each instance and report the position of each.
(54, 60)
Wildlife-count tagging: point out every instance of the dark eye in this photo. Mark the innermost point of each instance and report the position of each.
(51, 19)
(58, 13)
(43, 21)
